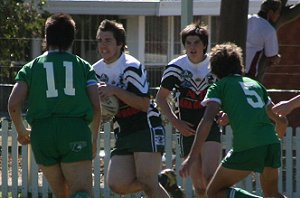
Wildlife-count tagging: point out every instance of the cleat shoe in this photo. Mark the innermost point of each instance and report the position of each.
(167, 178)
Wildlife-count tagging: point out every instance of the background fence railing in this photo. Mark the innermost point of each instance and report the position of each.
(20, 176)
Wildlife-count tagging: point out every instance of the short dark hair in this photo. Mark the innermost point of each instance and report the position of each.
(195, 29)
(60, 31)
(268, 5)
(226, 59)
(116, 28)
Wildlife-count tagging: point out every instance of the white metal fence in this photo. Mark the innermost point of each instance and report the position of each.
(20, 176)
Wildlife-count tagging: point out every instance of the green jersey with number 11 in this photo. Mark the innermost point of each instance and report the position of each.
(245, 101)
(57, 86)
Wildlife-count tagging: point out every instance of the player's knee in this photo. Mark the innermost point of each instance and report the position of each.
(80, 195)
(210, 193)
(207, 175)
(115, 187)
(200, 191)
(147, 183)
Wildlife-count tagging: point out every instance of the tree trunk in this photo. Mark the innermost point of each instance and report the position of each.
(233, 22)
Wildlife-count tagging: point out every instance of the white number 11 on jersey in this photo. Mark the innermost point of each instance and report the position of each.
(69, 88)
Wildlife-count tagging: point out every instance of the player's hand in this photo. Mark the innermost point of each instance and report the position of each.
(185, 128)
(222, 118)
(105, 90)
(24, 137)
(275, 59)
(281, 126)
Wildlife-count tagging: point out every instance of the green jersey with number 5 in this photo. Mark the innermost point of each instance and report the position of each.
(57, 82)
(245, 101)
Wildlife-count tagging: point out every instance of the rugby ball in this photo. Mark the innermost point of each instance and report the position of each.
(109, 108)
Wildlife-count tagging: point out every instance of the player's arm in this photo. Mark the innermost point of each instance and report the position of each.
(274, 60)
(130, 98)
(94, 98)
(185, 128)
(286, 107)
(280, 121)
(15, 103)
(202, 132)
(164, 106)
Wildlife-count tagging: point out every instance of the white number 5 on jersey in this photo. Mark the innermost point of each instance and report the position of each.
(258, 102)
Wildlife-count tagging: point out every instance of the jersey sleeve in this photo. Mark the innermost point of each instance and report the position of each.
(266, 98)
(213, 94)
(24, 74)
(271, 44)
(91, 76)
(171, 77)
(136, 80)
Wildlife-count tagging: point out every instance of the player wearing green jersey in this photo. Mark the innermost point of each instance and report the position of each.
(62, 95)
(256, 146)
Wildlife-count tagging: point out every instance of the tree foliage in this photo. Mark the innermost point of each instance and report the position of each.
(20, 21)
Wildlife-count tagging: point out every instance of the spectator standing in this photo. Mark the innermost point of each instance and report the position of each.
(262, 37)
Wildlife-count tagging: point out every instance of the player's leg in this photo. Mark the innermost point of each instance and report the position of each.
(199, 184)
(233, 168)
(221, 184)
(56, 180)
(44, 148)
(75, 150)
(148, 165)
(210, 156)
(167, 177)
(269, 176)
(269, 182)
(78, 176)
(148, 159)
(121, 175)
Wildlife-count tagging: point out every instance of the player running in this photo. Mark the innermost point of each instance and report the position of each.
(256, 146)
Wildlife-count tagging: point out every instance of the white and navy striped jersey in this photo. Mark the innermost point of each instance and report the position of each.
(190, 82)
(129, 74)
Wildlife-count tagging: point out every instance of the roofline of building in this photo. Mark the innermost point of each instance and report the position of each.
(139, 7)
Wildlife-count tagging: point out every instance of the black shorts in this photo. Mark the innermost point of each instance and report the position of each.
(152, 140)
(186, 143)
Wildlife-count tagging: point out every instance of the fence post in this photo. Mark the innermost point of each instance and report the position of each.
(107, 147)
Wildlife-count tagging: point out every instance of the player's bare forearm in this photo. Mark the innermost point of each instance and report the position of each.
(285, 107)
(162, 99)
(195, 153)
(15, 103)
(204, 127)
(94, 98)
(164, 107)
(131, 99)
(281, 122)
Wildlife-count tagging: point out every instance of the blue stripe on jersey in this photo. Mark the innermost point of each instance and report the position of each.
(91, 82)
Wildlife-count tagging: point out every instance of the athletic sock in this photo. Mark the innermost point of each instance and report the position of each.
(80, 195)
(240, 193)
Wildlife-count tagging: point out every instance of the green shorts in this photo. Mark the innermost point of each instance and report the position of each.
(152, 140)
(187, 142)
(56, 140)
(255, 159)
